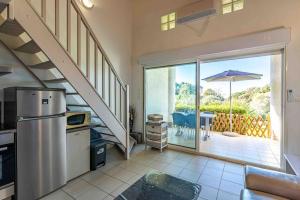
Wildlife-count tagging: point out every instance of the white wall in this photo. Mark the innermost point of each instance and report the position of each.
(257, 16)
(111, 21)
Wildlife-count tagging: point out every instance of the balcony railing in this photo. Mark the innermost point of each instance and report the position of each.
(249, 125)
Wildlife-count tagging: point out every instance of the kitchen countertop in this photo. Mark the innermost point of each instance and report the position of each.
(70, 130)
(7, 191)
(3, 129)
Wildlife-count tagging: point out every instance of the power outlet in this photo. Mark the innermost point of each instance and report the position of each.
(290, 95)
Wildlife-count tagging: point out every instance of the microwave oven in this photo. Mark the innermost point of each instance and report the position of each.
(78, 119)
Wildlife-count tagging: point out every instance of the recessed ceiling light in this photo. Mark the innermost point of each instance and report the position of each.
(87, 3)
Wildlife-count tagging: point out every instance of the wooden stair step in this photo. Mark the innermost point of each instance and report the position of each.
(2, 6)
(44, 65)
(58, 80)
(78, 105)
(29, 47)
(111, 138)
(71, 93)
(11, 27)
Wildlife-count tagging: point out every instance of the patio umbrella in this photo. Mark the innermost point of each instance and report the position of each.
(232, 76)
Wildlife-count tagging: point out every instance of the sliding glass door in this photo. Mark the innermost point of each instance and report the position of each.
(229, 107)
(171, 92)
(242, 103)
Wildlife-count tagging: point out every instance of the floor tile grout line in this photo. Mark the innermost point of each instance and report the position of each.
(96, 187)
(69, 195)
(220, 182)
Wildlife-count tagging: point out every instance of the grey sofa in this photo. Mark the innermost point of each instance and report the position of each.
(262, 184)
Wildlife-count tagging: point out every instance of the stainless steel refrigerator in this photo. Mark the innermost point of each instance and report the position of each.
(39, 117)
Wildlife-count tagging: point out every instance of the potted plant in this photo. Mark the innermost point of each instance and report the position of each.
(131, 117)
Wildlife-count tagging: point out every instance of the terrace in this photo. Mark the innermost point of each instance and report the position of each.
(254, 144)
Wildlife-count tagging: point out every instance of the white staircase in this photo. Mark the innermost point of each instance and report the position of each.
(57, 46)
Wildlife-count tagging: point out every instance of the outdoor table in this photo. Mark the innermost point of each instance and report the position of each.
(207, 116)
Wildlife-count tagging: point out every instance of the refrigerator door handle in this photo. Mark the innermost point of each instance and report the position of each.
(43, 117)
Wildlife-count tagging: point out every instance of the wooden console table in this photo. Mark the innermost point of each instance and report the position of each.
(292, 164)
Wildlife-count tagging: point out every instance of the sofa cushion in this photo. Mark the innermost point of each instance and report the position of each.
(257, 195)
(272, 182)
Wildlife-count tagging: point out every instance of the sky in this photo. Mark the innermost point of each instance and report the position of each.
(259, 65)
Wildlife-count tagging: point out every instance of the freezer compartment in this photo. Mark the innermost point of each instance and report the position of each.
(36, 103)
(41, 157)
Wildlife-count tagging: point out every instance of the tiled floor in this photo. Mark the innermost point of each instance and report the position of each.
(250, 149)
(219, 180)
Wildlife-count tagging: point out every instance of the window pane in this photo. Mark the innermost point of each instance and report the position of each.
(238, 5)
(172, 25)
(164, 19)
(164, 27)
(166, 93)
(172, 17)
(227, 9)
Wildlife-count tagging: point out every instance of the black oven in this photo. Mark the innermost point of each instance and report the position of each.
(7, 159)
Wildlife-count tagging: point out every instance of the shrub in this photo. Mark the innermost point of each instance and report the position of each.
(223, 108)
(180, 107)
(215, 108)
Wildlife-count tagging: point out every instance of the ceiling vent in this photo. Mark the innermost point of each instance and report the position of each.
(195, 11)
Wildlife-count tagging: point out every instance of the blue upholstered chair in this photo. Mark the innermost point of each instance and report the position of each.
(191, 121)
(179, 121)
(191, 124)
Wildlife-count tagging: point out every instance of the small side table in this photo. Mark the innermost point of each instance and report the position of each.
(156, 135)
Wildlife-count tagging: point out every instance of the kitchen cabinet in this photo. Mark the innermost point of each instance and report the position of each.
(78, 152)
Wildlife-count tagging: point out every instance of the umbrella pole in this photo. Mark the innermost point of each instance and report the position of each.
(230, 115)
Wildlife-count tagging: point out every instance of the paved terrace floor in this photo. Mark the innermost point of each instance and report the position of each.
(250, 149)
(219, 180)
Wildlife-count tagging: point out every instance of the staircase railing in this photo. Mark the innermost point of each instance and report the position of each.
(68, 25)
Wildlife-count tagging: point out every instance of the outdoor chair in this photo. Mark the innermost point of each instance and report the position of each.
(210, 122)
(179, 121)
(191, 124)
(202, 124)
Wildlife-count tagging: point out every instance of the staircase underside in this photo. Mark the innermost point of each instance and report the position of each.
(31, 42)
